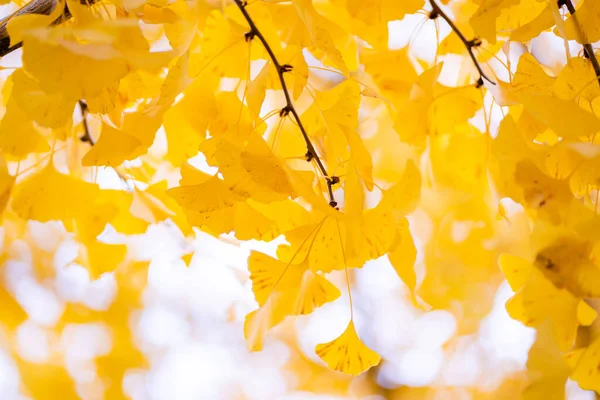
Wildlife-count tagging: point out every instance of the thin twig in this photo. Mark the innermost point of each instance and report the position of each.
(87, 137)
(469, 44)
(311, 153)
(587, 47)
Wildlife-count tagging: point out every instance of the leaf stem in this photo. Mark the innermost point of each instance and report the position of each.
(469, 44)
(311, 153)
(587, 47)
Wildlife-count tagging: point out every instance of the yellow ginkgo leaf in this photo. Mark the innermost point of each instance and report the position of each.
(103, 257)
(314, 291)
(257, 90)
(61, 70)
(347, 353)
(515, 269)
(282, 289)
(567, 263)
(7, 182)
(577, 78)
(112, 148)
(546, 368)
(587, 369)
(185, 124)
(564, 117)
(538, 301)
(584, 26)
(49, 195)
(326, 246)
(252, 169)
(50, 110)
(268, 274)
(116, 206)
(531, 77)
(484, 20)
(260, 321)
(403, 197)
(373, 12)
(319, 29)
(586, 314)
(543, 21)
(404, 255)
(18, 136)
(193, 197)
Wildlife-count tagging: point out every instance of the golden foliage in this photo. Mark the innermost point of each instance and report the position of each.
(314, 130)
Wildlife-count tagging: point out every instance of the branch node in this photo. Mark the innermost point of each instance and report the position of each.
(433, 14)
(309, 156)
(285, 111)
(475, 42)
(285, 68)
(333, 180)
(248, 36)
(479, 82)
(469, 44)
(334, 204)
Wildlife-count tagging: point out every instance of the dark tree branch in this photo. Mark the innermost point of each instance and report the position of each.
(469, 44)
(587, 47)
(42, 7)
(311, 153)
